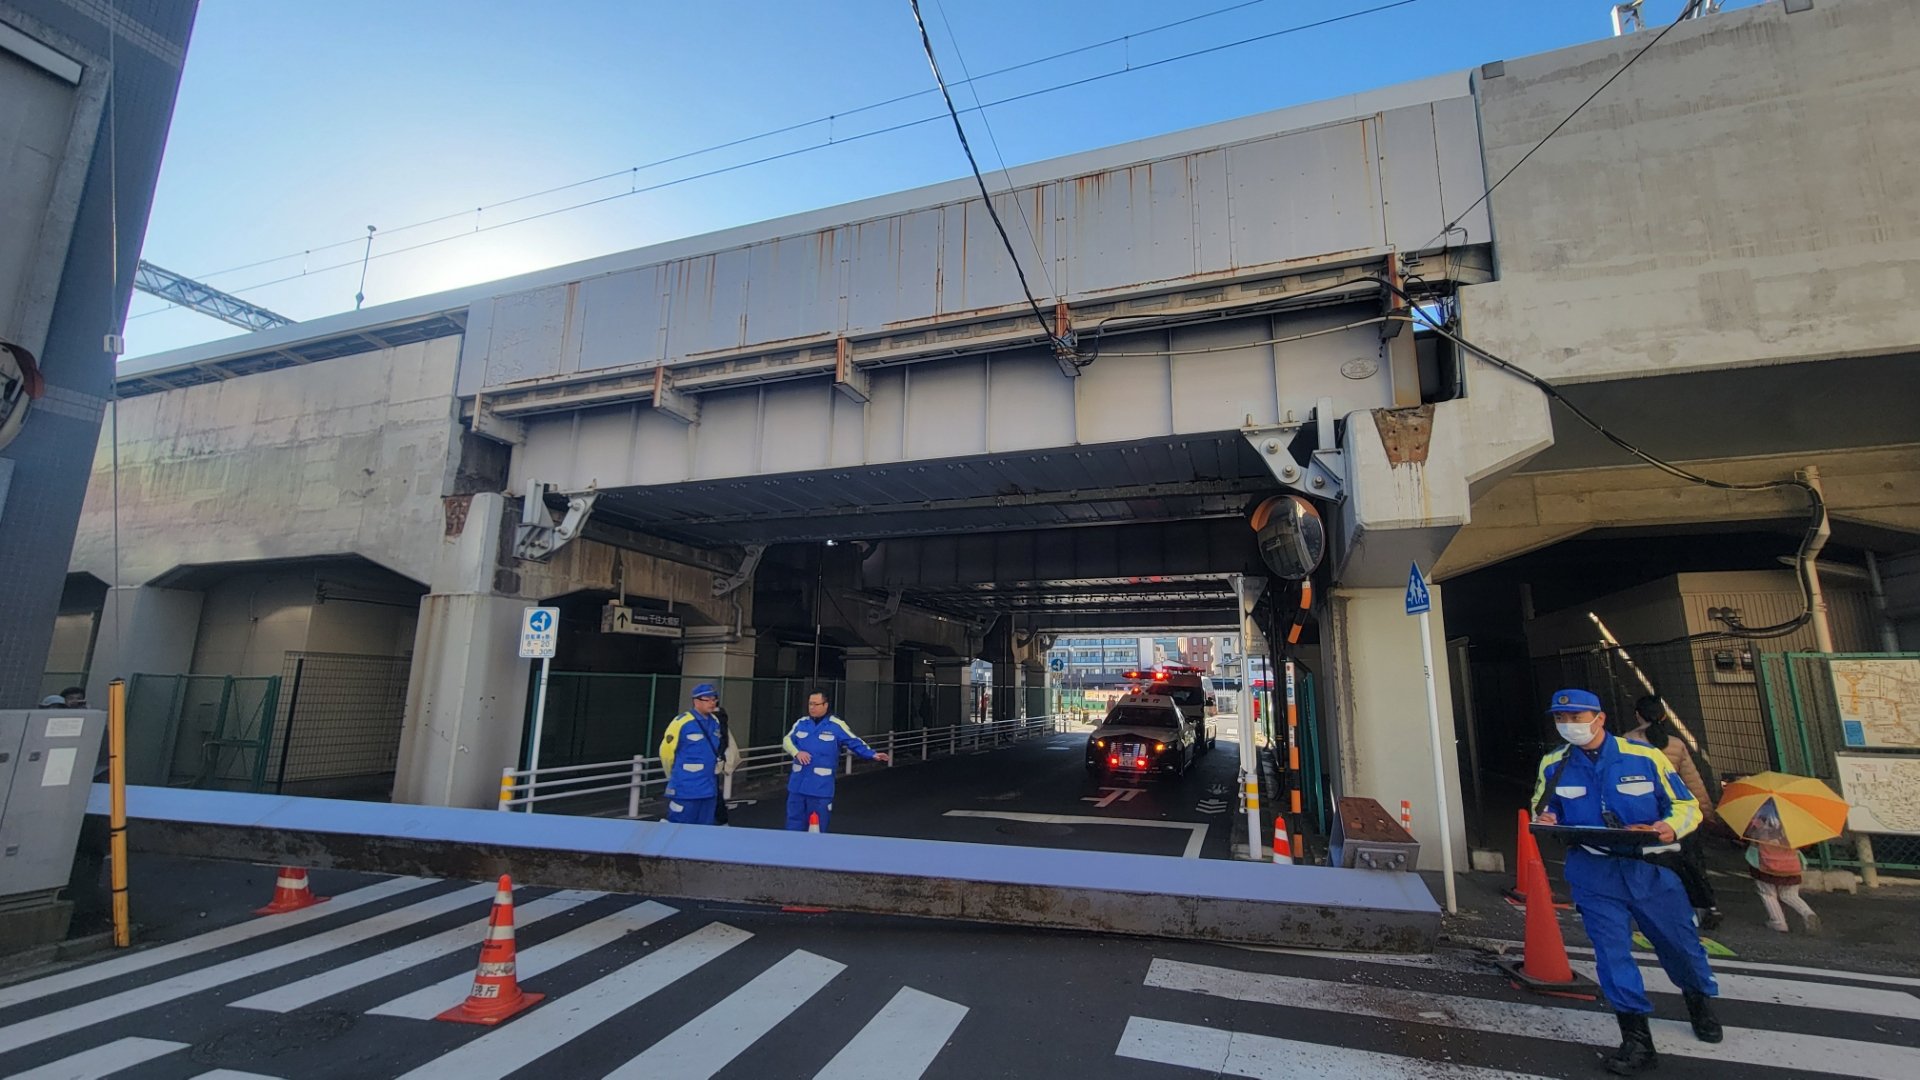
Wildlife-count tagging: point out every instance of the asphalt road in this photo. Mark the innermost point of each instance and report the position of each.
(665, 988)
(1035, 793)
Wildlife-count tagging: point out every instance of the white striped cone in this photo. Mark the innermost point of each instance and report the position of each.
(1282, 847)
(496, 993)
(1406, 816)
(290, 893)
(813, 822)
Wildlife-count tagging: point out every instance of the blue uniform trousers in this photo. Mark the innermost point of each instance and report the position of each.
(1613, 894)
(799, 806)
(690, 811)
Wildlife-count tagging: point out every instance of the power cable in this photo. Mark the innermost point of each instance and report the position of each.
(767, 134)
(986, 196)
(1685, 13)
(765, 159)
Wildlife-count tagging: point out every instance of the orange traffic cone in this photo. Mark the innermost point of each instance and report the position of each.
(291, 893)
(813, 822)
(1526, 854)
(1543, 967)
(496, 993)
(1282, 849)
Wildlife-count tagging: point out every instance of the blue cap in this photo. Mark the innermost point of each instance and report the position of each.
(1575, 701)
(705, 689)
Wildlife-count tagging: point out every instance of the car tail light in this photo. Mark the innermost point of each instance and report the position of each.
(1114, 760)
(1139, 763)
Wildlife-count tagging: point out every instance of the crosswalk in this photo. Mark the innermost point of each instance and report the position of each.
(900, 1041)
(1295, 1001)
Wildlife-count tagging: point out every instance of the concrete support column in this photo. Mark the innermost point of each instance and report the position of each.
(1033, 688)
(999, 653)
(869, 703)
(718, 655)
(952, 691)
(143, 630)
(1377, 692)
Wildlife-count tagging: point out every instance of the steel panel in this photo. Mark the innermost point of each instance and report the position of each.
(1029, 405)
(620, 321)
(728, 443)
(1304, 194)
(896, 270)
(847, 423)
(1131, 226)
(1409, 166)
(976, 273)
(794, 427)
(662, 448)
(886, 426)
(475, 343)
(547, 454)
(603, 448)
(1463, 175)
(1125, 397)
(706, 305)
(793, 288)
(1223, 390)
(1212, 213)
(1318, 367)
(946, 405)
(528, 331)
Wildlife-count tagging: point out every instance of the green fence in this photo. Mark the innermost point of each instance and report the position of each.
(204, 731)
(1852, 720)
(601, 716)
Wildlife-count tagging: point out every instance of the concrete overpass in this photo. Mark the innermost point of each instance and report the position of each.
(685, 425)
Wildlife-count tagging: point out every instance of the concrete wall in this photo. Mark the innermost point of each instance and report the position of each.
(1745, 194)
(350, 456)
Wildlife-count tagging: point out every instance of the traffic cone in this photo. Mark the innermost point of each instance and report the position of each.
(291, 893)
(1282, 849)
(1543, 967)
(1527, 853)
(813, 822)
(496, 993)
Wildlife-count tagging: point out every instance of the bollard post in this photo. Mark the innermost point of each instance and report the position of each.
(506, 787)
(633, 793)
(117, 810)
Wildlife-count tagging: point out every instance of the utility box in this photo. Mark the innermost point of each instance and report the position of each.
(47, 761)
(1365, 837)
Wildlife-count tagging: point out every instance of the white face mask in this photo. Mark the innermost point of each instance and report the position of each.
(1578, 734)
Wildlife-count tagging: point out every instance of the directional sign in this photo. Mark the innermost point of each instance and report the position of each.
(1056, 663)
(539, 631)
(620, 619)
(1418, 600)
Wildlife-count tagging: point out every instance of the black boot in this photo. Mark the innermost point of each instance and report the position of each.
(1706, 1026)
(1635, 1055)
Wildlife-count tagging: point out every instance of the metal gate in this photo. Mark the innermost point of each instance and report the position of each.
(203, 731)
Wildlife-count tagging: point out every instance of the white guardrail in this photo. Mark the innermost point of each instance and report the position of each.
(642, 777)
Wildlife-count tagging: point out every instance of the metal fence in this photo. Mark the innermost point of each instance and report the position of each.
(205, 731)
(339, 729)
(596, 717)
(589, 787)
(1839, 716)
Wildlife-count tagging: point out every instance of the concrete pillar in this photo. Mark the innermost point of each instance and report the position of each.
(952, 691)
(999, 653)
(467, 691)
(1375, 697)
(143, 630)
(717, 655)
(869, 704)
(1033, 688)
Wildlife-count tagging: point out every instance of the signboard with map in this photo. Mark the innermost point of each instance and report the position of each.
(1883, 792)
(1879, 702)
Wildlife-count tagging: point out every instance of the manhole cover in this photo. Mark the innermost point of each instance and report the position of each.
(273, 1037)
(1035, 828)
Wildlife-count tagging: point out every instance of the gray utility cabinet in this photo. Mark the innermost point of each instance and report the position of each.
(47, 761)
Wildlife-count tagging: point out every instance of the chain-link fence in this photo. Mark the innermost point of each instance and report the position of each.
(1853, 720)
(206, 731)
(603, 716)
(339, 729)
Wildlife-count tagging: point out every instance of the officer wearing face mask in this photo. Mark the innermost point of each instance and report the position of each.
(1602, 781)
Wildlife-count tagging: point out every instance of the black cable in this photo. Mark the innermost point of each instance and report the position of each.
(985, 195)
(1685, 13)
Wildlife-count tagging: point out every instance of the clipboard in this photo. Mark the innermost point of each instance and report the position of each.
(1595, 836)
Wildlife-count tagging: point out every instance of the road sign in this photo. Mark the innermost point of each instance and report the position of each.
(620, 619)
(539, 631)
(1056, 664)
(1418, 599)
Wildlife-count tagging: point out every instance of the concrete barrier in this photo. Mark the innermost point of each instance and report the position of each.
(1091, 891)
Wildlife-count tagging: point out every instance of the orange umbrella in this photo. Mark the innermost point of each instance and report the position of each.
(1807, 810)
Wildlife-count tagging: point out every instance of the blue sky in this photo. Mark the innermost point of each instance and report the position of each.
(300, 123)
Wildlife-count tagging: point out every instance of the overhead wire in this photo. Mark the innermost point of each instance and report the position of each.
(783, 155)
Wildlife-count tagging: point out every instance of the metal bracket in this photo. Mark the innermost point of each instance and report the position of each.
(1322, 476)
(539, 534)
(678, 404)
(849, 378)
(489, 425)
(723, 586)
(1066, 343)
(892, 608)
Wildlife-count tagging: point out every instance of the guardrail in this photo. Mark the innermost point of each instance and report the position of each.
(643, 777)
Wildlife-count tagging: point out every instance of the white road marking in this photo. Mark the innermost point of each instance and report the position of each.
(438, 998)
(1113, 794)
(1236, 1053)
(339, 980)
(900, 1041)
(1786, 1050)
(556, 1022)
(116, 1006)
(230, 1074)
(1505, 945)
(36, 989)
(704, 1046)
(1196, 831)
(102, 1060)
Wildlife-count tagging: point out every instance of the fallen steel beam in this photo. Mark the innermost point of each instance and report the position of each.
(1092, 891)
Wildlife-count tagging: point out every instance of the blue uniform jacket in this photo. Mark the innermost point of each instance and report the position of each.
(824, 739)
(688, 754)
(1632, 781)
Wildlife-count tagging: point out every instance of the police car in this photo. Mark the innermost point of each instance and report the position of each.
(1191, 690)
(1142, 735)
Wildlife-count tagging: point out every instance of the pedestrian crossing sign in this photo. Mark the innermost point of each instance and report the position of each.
(1418, 600)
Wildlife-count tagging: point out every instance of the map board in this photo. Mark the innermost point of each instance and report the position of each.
(1879, 702)
(1884, 792)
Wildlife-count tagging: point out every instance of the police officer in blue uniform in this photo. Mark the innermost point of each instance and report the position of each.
(690, 753)
(816, 742)
(1603, 781)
